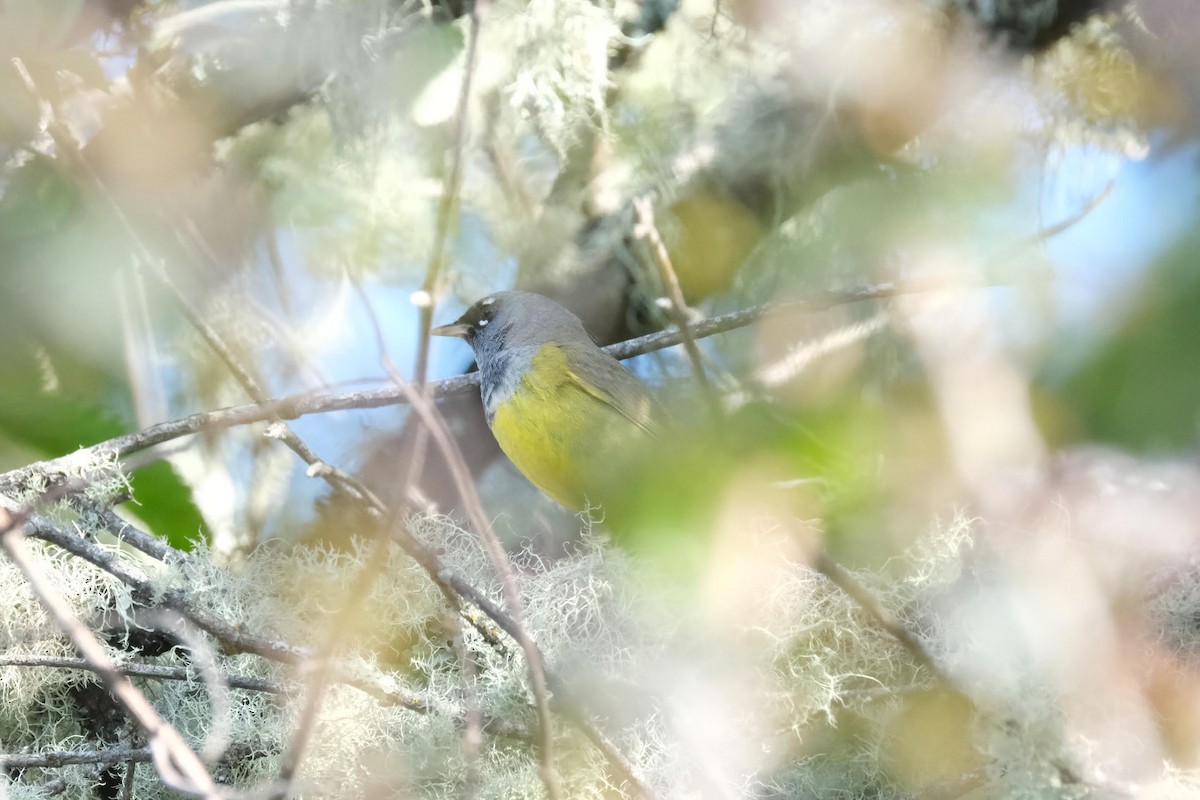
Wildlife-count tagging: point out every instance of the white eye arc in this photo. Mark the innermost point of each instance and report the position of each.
(487, 301)
(482, 323)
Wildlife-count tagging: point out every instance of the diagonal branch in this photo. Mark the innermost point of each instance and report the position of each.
(176, 762)
(62, 758)
(435, 423)
(233, 636)
(644, 228)
(320, 402)
(158, 672)
(448, 207)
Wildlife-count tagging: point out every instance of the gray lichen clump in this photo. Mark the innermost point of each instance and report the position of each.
(805, 695)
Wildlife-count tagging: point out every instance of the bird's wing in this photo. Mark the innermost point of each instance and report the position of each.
(606, 380)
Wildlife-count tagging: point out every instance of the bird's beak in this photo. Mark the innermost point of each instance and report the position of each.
(456, 329)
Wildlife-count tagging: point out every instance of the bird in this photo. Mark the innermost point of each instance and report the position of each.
(567, 414)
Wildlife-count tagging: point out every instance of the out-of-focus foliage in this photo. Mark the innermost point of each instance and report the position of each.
(1141, 388)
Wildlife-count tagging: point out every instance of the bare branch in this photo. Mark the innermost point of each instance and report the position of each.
(842, 578)
(63, 758)
(862, 596)
(135, 537)
(177, 764)
(160, 672)
(127, 780)
(1040, 236)
(449, 204)
(472, 737)
(323, 674)
(233, 636)
(320, 402)
(644, 228)
(435, 423)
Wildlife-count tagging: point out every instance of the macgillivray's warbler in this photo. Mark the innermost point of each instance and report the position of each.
(565, 412)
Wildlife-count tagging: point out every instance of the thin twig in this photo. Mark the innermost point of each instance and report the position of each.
(204, 658)
(472, 736)
(435, 423)
(534, 661)
(841, 577)
(160, 672)
(416, 462)
(280, 430)
(234, 637)
(62, 758)
(336, 632)
(473, 732)
(319, 402)
(1041, 235)
(59, 785)
(788, 366)
(278, 271)
(448, 207)
(176, 762)
(128, 779)
(644, 228)
(134, 536)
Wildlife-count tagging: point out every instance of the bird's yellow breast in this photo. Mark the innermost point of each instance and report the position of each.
(562, 437)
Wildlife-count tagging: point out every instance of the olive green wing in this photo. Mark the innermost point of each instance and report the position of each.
(603, 377)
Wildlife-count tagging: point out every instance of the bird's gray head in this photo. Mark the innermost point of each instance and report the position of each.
(506, 330)
(512, 320)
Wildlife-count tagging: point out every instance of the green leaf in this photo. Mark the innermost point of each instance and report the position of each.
(54, 424)
(817, 464)
(1141, 388)
(35, 202)
(165, 503)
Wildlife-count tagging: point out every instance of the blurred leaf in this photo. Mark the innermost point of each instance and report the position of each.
(1141, 389)
(715, 237)
(426, 53)
(36, 200)
(19, 112)
(928, 751)
(51, 424)
(84, 66)
(822, 464)
(38, 23)
(55, 423)
(165, 503)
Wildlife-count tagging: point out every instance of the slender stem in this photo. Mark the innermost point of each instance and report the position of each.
(160, 672)
(176, 762)
(62, 758)
(321, 402)
(644, 228)
(323, 676)
(841, 577)
(234, 637)
(448, 208)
